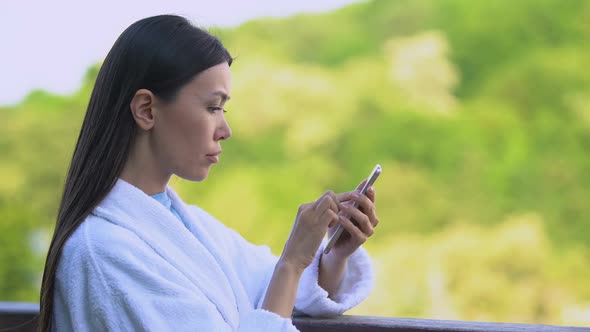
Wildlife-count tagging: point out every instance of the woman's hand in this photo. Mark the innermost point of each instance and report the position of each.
(357, 232)
(308, 231)
(310, 226)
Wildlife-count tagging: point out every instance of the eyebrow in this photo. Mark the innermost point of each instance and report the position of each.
(222, 94)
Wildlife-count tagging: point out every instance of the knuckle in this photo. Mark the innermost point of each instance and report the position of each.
(366, 220)
(362, 230)
(319, 203)
(360, 236)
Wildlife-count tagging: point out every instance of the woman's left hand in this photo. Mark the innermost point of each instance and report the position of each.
(358, 223)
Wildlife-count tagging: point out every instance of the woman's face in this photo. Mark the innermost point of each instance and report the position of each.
(188, 131)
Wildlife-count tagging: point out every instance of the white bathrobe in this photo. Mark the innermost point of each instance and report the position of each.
(132, 265)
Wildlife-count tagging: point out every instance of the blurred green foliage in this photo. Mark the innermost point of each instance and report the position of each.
(479, 112)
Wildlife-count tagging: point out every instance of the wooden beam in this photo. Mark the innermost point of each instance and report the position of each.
(377, 324)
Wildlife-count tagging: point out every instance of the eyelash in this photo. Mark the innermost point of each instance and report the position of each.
(215, 109)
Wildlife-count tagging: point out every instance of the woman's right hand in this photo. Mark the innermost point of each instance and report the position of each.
(311, 224)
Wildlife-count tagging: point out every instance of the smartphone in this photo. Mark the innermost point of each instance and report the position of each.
(339, 229)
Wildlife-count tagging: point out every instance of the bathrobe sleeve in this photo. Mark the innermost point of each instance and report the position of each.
(111, 280)
(255, 264)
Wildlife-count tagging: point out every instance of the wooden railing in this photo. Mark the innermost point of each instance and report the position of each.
(379, 324)
(18, 316)
(15, 316)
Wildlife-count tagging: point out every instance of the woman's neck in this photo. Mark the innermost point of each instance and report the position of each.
(143, 170)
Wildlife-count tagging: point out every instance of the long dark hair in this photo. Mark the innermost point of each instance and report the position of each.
(161, 54)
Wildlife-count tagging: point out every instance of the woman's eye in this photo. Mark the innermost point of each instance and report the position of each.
(215, 109)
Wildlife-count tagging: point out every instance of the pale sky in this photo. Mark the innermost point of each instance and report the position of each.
(49, 44)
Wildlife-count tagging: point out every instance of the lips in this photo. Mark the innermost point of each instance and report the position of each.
(214, 157)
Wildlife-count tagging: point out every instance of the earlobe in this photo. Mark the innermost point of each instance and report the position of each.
(141, 107)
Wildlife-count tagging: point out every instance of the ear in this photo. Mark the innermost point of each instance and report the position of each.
(142, 105)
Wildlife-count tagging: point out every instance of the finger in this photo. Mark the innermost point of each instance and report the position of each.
(371, 194)
(322, 204)
(334, 201)
(334, 221)
(367, 207)
(327, 201)
(362, 220)
(354, 231)
(343, 197)
(364, 203)
(329, 216)
(374, 221)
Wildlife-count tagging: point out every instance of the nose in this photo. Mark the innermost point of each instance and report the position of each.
(223, 131)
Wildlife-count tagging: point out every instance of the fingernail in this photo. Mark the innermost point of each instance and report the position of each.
(356, 195)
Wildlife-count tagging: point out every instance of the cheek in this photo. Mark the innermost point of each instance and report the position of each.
(196, 134)
(177, 140)
(199, 132)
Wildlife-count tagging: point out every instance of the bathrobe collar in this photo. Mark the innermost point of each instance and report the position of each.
(129, 207)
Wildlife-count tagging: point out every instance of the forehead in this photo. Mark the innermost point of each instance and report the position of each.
(216, 79)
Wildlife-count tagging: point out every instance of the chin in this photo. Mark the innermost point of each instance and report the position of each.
(197, 176)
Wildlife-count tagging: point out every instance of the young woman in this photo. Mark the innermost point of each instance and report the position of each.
(129, 254)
